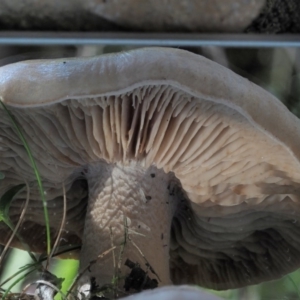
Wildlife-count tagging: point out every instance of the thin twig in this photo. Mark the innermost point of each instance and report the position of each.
(145, 278)
(115, 282)
(62, 225)
(100, 256)
(112, 245)
(44, 282)
(35, 170)
(144, 257)
(130, 231)
(14, 283)
(17, 227)
(123, 244)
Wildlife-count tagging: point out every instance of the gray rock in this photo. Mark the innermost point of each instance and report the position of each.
(146, 15)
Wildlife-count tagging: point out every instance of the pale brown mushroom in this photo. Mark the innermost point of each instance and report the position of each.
(197, 164)
(174, 293)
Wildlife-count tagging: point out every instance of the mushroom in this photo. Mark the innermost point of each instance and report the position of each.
(191, 171)
(174, 293)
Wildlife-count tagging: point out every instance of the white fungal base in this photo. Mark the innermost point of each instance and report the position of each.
(130, 206)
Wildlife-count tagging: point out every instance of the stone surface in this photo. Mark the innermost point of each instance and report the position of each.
(49, 15)
(179, 15)
(278, 16)
(146, 15)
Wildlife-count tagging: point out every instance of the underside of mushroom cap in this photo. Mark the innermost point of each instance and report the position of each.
(232, 146)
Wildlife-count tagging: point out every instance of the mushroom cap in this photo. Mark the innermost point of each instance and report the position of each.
(173, 293)
(233, 147)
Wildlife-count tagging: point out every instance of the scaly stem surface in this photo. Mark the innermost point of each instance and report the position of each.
(131, 208)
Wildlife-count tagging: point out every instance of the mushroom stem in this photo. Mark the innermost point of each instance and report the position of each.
(129, 207)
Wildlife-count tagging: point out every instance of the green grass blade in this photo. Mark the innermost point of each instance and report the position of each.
(25, 246)
(7, 197)
(14, 283)
(37, 175)
(21, 270)
(5, 202)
